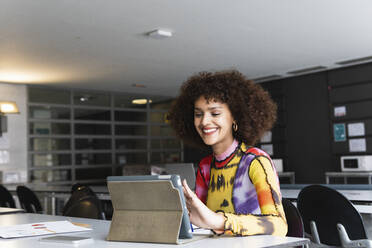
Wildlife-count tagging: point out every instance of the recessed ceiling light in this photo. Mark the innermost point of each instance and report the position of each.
(160, 33)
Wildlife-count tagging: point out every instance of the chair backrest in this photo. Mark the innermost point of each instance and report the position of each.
(83, 203)
(29, 200)
(327, 207)
(294, 220)
(85, 208)
(6, 198)
(75, 187)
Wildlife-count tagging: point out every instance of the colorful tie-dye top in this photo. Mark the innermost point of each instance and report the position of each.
(245, 187)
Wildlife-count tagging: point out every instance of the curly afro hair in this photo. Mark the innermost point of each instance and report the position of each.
(251, 106)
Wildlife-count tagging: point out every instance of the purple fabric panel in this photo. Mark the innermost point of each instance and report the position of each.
(244, 195)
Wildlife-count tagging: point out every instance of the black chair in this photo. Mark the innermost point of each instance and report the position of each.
(83, 203)
(327, 215)
(75, 187)
(294, 220)
(29, 200)
(6, 199)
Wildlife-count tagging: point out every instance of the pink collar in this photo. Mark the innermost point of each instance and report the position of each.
(228, 152)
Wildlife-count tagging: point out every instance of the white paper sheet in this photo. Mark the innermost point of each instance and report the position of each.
(266, 138)
(269, 148)
(41, 228)
(4, 157)
(199, 230)
(340, 111)
(356, 129)
(357, 145)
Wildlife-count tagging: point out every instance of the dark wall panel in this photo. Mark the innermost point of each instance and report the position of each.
(352, 74)
(279, 134)
(307, 127)
(349, 93)
(351, 87)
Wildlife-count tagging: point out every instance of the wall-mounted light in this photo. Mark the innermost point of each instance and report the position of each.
(7, 107)
(141, 101)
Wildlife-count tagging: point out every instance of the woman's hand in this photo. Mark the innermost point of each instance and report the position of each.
(200, 214)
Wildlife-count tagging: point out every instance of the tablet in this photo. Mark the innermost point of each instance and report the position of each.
(185, 229)
(185, 170)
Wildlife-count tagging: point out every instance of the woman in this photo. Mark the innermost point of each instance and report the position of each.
(237, 188)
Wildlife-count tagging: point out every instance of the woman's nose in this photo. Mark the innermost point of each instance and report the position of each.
(205, 119)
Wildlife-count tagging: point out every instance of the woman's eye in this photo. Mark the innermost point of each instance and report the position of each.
(216, 114)
(198, 114)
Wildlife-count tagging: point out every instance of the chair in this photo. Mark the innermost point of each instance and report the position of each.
(294, 220)
(75, 187)
(29, 200)
(330, 218)
(83, 203)
(107, 208)
(6, 199)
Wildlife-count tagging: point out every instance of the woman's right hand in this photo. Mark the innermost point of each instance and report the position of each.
(200, 214)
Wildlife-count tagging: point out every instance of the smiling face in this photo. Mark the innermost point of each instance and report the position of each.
(213, 121)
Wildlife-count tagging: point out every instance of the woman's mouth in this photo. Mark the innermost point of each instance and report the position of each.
(209, 131)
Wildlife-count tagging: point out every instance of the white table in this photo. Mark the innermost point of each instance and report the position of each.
(101, 228)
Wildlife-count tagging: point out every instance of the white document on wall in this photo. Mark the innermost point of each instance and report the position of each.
(356, 129)
(269, 148)
(340, 111)
(266, 138)
(357, 145)
(4, 141)
(4, 157)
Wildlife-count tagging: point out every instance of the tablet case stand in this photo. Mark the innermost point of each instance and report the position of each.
(145, 211)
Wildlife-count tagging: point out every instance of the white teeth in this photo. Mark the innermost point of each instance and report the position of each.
(209, 130)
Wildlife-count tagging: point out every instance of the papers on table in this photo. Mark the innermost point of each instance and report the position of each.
(41, 228)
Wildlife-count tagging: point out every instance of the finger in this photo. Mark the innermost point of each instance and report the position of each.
(186, 192)
(187, 188)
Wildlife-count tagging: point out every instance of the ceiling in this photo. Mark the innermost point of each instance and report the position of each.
(102, 44)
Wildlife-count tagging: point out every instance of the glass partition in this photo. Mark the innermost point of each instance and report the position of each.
(85, 136)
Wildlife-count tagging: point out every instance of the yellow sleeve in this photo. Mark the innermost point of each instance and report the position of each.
(272, 218)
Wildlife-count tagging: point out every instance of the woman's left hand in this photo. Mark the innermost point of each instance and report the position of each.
(200, 214)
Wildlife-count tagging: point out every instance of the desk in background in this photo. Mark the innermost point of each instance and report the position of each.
(11, 210)
(101, 229)
(359, 194)
(288, 174)
(346, 175)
